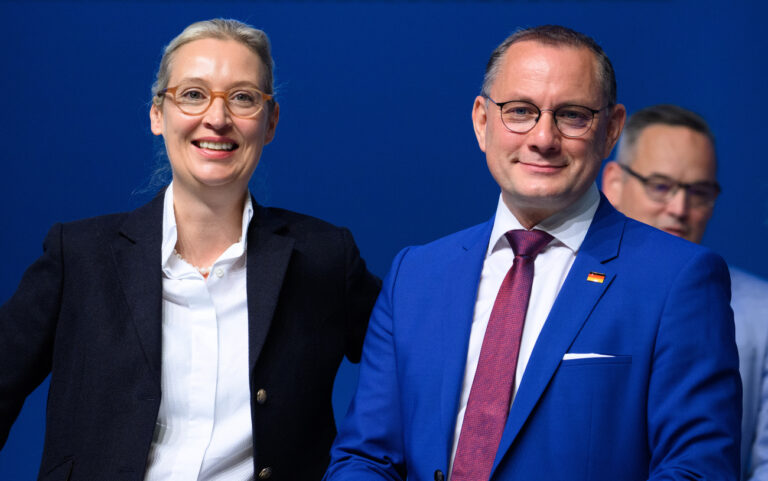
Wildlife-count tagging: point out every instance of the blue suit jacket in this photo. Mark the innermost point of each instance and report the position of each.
(666, 406)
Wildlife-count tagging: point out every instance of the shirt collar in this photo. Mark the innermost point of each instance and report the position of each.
(568, 227)
(170, 234)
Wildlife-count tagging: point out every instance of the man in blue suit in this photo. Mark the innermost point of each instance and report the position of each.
(665, 175)
(605, 352)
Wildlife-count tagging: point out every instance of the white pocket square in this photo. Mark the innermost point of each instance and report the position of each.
(583, 355)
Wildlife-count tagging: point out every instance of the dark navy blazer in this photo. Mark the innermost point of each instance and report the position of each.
(89, 312)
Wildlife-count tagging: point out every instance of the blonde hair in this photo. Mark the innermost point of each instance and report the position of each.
(219, 28)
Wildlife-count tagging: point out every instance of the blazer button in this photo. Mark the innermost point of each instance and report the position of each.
(265, 473)
(439, 476)
(261, 398)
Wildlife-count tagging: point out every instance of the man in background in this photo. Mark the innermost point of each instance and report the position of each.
(665, 176)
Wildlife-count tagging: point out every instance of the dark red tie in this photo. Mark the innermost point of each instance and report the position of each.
(491, 392)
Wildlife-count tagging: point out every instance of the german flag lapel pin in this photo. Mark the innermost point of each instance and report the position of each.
(596, 277)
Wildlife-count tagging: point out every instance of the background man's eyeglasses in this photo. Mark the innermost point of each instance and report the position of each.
(661, 188)
(520, 117)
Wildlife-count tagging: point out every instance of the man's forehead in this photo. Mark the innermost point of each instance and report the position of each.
(535, 66)
(675, 150)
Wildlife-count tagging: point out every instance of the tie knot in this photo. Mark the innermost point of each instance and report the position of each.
(527, 243)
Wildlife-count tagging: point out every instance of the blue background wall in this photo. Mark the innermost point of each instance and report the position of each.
(375, 131)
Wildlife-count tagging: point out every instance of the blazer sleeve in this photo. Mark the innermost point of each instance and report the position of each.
(361, 289)
(694, 392)
(27, 329)
(369, 445)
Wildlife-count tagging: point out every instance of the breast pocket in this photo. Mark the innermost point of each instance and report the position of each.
(593, 402)
(583, 383)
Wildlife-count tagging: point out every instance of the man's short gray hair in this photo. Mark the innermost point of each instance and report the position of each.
(662, 114)
(222, 29)
(558, 36)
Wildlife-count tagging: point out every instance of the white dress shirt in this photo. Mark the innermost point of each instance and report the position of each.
(551, 266)
(203, 428)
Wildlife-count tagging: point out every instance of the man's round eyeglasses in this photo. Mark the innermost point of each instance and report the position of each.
(661, 188)
(520, 117)
(243, 102)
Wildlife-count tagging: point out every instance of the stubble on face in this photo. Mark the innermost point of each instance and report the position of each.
(542, 172)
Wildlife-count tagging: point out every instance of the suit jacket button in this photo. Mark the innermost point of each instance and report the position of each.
(261, 398)
(265, 473)
(439, 476)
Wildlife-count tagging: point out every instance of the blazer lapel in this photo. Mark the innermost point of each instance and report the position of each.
(137, 254)
(268, 258)
(574, 304)
(456, 312)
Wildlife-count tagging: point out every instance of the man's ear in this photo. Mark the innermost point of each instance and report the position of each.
(615, 126)
(613, 182)
(156, 120)
(480, 120)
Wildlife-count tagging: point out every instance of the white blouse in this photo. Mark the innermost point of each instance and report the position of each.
(203, 428)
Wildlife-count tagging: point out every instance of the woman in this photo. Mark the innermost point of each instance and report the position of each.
(198, 336)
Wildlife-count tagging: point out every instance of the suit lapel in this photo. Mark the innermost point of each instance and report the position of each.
(574, 304)
(456, 313)
(268, 258)
(137, 254)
